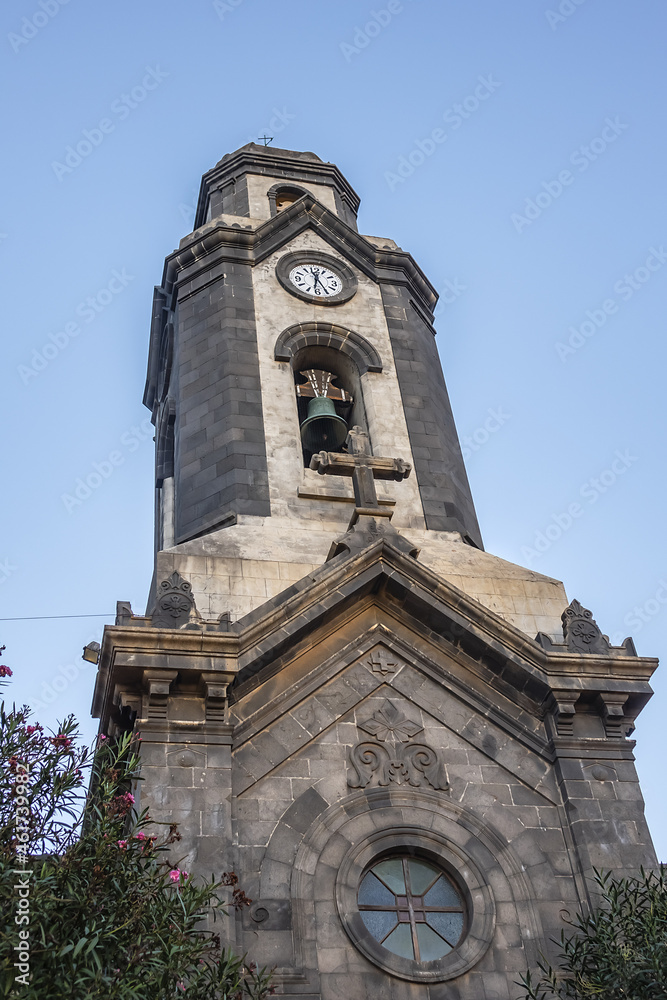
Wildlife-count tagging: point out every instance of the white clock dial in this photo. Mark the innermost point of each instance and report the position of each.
(316, 280)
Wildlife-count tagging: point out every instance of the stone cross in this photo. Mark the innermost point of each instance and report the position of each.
(363, 468)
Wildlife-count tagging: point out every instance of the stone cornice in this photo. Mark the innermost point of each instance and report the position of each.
(268, 638)
(593, 749)
(253, 159)
(217, 241)
(127, 651)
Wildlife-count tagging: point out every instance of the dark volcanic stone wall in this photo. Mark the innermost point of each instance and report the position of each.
(441, 474)
(220, 453)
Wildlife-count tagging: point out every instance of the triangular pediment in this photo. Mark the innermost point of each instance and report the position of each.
(379, 650)
(375, 262)
(346, 606)
(384, 577)
(388, 717)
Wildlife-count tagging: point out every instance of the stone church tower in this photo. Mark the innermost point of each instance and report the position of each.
(412, 751)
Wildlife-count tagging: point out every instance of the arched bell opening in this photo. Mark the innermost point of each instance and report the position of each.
(329, 399)
(281, 196)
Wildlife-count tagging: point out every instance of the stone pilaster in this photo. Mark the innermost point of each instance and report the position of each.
(604, 805)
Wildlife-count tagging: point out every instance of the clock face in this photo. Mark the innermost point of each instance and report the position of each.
(315, 280)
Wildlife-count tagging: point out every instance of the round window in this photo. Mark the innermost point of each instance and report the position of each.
(412, 908)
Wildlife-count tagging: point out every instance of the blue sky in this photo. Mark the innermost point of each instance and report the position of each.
(516, 150)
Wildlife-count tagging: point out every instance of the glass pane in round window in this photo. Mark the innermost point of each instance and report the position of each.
(412, 908)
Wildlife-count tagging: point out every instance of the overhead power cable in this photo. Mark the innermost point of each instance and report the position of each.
(41, 618)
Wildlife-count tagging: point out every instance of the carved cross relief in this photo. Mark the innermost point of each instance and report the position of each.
(381, 661)
(392, 757)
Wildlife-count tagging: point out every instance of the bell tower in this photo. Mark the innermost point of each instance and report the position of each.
(275, 282)
(412, 751)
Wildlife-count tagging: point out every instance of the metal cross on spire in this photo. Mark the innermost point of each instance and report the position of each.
(266, 139)
(359, 464)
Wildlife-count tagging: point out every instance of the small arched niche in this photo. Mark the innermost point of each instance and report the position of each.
(344, 390)
(281, 196)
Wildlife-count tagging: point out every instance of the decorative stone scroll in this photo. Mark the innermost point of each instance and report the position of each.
(581, 631)
(399, 762)
(174, 603)
(268, 915)
(414, 764)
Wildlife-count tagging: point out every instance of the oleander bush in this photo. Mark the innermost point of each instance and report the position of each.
(616, 952)
(91, 903)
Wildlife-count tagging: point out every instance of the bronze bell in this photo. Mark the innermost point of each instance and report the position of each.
(323, 429)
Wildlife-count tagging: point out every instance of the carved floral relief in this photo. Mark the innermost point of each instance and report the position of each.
(392, 757)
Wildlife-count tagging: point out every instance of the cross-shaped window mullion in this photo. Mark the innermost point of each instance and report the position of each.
(411, 911)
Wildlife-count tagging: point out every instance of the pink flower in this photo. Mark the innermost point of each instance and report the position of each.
(176, 875)
(122, 843)
(5, 671)
(101, 737)
(29, 730)
(120, 804)
(62, 742)
(146, 841)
